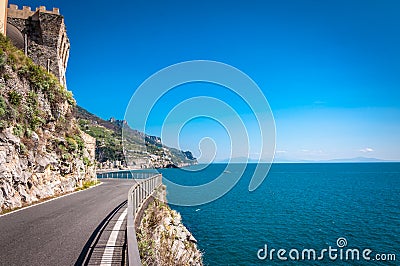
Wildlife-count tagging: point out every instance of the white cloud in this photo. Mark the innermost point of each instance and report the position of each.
(366, 150)
(281, 152)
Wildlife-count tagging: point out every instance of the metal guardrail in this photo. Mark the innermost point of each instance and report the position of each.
(137, 196)
(127, 174)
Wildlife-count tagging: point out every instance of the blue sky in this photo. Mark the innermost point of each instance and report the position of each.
(329, 69)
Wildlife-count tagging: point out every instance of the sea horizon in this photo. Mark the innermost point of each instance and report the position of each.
(297, 206)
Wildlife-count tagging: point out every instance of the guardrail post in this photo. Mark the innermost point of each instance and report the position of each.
(133, 250)
(137, 200)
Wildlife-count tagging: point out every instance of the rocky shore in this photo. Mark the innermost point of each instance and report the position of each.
(164, 240)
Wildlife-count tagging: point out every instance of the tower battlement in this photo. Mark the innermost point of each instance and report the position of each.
(26, 11)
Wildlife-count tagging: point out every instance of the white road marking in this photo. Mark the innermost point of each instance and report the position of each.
(109, 250)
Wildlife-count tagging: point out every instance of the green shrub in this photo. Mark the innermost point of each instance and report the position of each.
(86, 161)
(3, 59)
(23, 71)
(3, 124)
(32, 99)
(61, 147)
(3, 106)
(36, 75)
(18, 130)
(12, 113)
(79, 142)
(35, 121)
(71, 144)
(31, 111)
(68, 96)
(66, 156)
(14, 98)
(6, 77)
(48, 84)
(28, 133)
(87, 184)
(22, 148)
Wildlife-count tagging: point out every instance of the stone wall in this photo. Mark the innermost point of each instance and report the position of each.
(3, 16)
(45, 37)
(26, 11)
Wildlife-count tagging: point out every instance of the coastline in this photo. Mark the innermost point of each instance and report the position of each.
(163, 238)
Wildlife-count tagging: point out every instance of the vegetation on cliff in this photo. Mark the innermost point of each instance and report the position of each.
(164, 240)
(110, 144)
(42, 150)
(22, 107)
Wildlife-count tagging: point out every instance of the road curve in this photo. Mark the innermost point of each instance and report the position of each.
(56, 232)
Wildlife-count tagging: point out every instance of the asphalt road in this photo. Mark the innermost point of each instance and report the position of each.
(57, 232)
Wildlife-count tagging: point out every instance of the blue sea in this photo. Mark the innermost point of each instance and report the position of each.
(298, 206)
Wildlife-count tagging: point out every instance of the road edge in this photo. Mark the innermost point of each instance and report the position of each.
(49, 200)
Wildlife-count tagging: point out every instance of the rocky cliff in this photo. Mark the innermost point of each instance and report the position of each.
(42, 150)
(164, 240)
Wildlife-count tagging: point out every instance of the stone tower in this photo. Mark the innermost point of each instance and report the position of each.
(3, 16)
(42, 36)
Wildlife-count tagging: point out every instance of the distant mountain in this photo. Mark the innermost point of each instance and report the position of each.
(141, 150)
(345, 160)
(358, 159)
(240, 160)
(277, 160)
